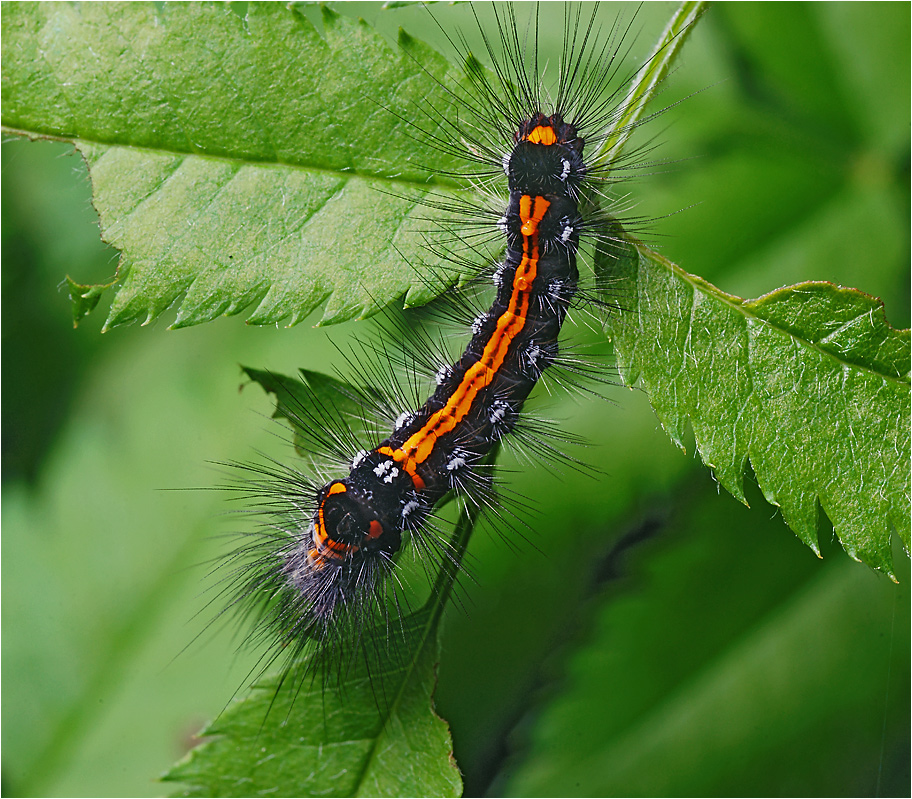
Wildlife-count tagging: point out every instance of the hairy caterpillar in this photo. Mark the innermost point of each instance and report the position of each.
(323, 569)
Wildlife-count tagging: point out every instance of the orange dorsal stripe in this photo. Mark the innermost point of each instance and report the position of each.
(479, 375)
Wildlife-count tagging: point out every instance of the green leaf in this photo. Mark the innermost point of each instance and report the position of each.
(235, 162)
(311, 403)
(322, 739)
(809, 383)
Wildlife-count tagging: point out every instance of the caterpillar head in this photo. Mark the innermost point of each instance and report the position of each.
(347, 522)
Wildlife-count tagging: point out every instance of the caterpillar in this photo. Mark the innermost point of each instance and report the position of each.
(326, 563)
(360, 519)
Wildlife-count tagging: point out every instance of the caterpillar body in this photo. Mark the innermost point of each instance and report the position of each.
(392, 488)
(322, 573)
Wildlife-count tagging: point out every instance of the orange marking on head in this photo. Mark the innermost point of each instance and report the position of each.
(326, 548)
(319, 535)
(376, 529)
(543, 134)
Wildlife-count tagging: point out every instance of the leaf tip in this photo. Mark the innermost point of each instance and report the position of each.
(328, 16)
(84, 298)
(404, 39)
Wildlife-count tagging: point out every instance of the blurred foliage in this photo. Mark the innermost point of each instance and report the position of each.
(680, 644)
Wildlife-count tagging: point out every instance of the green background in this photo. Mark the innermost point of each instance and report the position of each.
(651, 637)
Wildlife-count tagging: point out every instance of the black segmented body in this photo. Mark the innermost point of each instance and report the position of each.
(360, 520)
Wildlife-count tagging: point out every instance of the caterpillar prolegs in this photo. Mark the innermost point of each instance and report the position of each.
(321, 573)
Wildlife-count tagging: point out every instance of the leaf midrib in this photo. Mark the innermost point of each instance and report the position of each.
(434, 608)
(347, 173)
(739, 305)
(426, 632)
